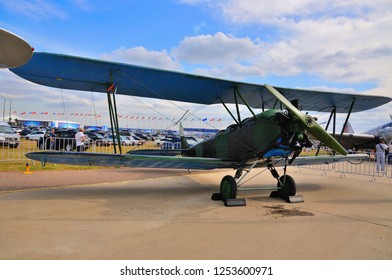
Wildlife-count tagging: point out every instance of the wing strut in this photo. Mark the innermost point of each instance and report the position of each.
(333, 114)
(238, 120)
(348, 116)
(111, 94)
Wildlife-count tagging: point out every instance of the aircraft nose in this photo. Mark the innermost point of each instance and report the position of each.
(387, 134)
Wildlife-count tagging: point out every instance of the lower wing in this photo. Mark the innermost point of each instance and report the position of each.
(173, 160)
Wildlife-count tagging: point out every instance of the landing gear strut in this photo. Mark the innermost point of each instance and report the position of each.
(286, 188)
(286, 184)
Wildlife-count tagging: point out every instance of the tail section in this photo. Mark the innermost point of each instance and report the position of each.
(184, 143)
(348, 128)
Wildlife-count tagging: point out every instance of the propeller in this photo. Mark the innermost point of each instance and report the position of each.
(14, 51)
(309, 123)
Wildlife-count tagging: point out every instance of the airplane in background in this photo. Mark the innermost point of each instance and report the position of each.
(366, 140)
(274, 137)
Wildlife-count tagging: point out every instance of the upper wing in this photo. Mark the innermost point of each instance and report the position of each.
(69, 72)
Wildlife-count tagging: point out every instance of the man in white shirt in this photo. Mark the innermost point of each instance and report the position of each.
(381, 148)
(79, 137)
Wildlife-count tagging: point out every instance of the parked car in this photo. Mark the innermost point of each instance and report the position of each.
(125, 140)
(134, 142)
(24, 132)
(64, 140)
(171, 139)
(7, 136)
(175, 142)
(35, 135)
(97, 139)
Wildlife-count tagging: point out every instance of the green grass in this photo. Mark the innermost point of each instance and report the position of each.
(36, 166)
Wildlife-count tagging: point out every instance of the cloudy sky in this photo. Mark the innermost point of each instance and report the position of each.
(315, 44)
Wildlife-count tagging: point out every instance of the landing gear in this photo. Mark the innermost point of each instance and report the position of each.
(288, 187)
(228, 188)
(228, 193)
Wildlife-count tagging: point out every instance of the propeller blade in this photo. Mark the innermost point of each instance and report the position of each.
(309, 123)
(14, 51)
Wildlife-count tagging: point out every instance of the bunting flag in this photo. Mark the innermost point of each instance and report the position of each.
(218, 120)
(211, 120)
(205, 119)
(23, 113)
(14, 112)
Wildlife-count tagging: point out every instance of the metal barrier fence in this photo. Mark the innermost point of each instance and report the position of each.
(7, 154)
(366, 168)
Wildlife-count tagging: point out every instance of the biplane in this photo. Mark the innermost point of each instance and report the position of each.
(274, 137)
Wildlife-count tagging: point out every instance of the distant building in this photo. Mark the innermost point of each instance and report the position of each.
(48, 123)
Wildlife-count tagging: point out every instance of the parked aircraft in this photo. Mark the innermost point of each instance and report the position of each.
(368, 139)
(274, 137)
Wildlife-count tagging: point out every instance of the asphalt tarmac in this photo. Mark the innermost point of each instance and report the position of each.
(123, 213)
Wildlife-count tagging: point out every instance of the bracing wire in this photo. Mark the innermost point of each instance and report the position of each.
(172, 102)
(65, 112)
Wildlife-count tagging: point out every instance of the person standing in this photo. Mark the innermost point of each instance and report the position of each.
(390, 152)
(381, 148)
(52, 140)
(79, 137)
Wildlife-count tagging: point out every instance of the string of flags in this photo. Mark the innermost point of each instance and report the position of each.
(133, 117)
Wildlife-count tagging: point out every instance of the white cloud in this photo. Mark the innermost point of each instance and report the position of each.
(339, 41)
(36, 9)
(142, 56)
(215, 49)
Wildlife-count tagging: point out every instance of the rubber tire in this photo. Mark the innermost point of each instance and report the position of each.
(289, 189)
(228, 188)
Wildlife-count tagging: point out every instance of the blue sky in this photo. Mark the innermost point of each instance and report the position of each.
(332, 45)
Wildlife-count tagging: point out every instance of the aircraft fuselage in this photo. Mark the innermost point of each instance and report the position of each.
(253, 138)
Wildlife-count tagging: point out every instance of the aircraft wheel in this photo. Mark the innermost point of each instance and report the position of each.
(228, 188)
(289, 188)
